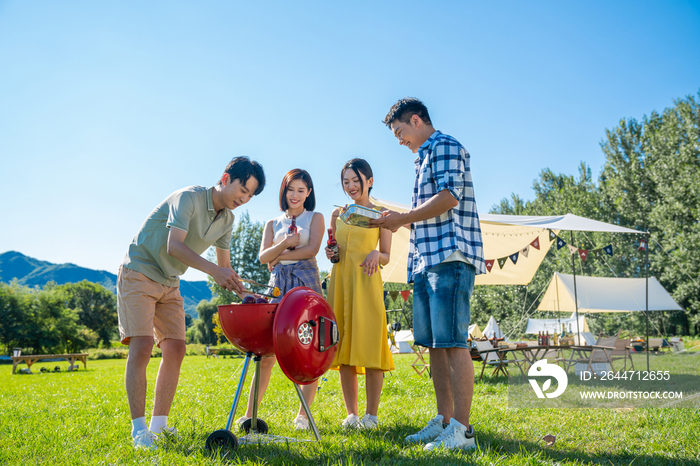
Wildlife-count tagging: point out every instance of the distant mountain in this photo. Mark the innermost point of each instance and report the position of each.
(31, 272)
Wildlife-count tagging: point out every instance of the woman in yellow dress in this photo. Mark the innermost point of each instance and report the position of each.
(357, 297)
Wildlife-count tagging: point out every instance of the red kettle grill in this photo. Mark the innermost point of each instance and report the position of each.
(300, 331)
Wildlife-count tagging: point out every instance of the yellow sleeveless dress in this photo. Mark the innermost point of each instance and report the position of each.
(358, 303)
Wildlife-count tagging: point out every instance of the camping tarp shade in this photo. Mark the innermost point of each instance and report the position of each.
(568, 222)
(554, 325)
(605, 294)
(503, 236)
(500, 240)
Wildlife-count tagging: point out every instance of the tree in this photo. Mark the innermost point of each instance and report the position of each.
(652, 178)
(245, 245)
(13, 318)
(204, 325)
(38, 321)
(96, 306)
(650, 182)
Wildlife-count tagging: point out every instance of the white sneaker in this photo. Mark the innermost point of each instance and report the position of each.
(429, 432)
(351, 421)
(454, 437)
(241, 420)
(145, 439)
(368, 423)
(301, 423)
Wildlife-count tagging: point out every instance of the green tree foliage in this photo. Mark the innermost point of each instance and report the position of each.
(652, 179)
(39, 321)
(650, 182)
(204, 325)
(245, 245)
(12, 315)
(96, 306)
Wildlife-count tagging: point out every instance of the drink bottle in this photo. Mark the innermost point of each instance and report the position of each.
(333, 246)
(292, 229)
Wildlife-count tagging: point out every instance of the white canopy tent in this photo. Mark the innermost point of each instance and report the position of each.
(492, 329)
(555, 325)
(605, 294)
(404, 339)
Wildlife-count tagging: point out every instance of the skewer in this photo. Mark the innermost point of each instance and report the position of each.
(275, 291)
(262, 294)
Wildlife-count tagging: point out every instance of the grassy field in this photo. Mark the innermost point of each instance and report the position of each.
(82, 418)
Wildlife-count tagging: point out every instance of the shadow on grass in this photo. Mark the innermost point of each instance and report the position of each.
(386, 446)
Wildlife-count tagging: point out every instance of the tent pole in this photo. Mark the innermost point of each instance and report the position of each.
(646, 272)
(573, 267)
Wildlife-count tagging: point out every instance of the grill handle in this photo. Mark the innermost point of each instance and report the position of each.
(327, 339)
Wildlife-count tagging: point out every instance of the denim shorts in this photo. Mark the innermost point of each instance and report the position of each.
(441, 309)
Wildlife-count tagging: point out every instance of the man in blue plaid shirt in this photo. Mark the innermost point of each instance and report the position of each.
(446, 253)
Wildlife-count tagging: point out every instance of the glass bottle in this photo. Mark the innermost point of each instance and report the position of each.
(292, 229)
(333, 246)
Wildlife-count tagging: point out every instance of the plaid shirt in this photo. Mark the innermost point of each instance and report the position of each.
(300, 273)
(443, 163)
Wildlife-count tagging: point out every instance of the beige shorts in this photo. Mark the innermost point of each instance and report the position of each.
(148, 309)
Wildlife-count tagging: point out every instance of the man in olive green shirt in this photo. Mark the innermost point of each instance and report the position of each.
(149, 304)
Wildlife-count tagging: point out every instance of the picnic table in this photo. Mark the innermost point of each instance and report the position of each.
(31, 359)
(530, 355)
(535, 353)
(501, 362)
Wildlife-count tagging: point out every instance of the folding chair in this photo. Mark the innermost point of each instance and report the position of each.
(658, 344)
(677, 344)
(622, 351)
(419, 364)
(599, 353)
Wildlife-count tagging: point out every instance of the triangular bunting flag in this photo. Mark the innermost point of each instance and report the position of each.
(502, 261)
(597, 253)
(525, 251)
(560, 243)
(572, 249)
(323, 284)
(514, 258)
(608, 249)
(489, 264)
(405, 294)
(385, 294)
(583, 253)
(552, 236)
(394, 295)
(536, 244)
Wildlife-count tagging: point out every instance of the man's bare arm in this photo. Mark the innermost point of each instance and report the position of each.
(224, 276)
(433, 207)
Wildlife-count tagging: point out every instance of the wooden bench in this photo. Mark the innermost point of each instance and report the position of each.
(223, 351)
(31, 359)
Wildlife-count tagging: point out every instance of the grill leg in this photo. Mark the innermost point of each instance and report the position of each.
(239, 390)
(256, 384)
(308, 412)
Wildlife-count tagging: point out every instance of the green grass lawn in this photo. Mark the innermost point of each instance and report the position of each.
(82, 418)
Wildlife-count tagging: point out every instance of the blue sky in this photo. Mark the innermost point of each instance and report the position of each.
(108, 107)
